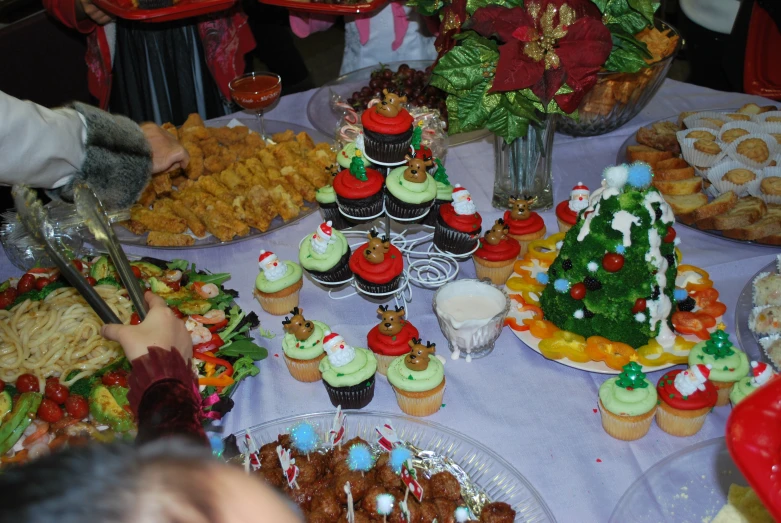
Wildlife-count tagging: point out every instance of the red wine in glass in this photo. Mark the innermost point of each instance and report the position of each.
(255, 92)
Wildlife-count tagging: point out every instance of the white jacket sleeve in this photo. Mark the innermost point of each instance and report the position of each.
(39, 147)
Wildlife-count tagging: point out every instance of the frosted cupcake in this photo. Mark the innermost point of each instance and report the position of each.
(303, 346)
(326, 198)
(346, 155)
(525, 225)
(567, 211)
(497, 254)
(458, 224)
(389, 338)
(761, 373)
(326, 255)
(410, 190)
(627, 404)
(348, 373)
(444, 193)
(418, 380)
(686, 397)
(728, 364)
(278, 284)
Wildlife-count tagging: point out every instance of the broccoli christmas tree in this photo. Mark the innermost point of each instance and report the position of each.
(615, 272)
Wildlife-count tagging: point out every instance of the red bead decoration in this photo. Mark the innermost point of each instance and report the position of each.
(612, 262)
(578, 291)
(640, 305)
(670, 236)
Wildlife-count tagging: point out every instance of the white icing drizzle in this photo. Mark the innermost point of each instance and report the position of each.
(686, 277)
(622, 222)
(652, 197)
(659, 309)
(585, 229)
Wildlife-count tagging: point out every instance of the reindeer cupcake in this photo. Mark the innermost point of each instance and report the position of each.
(377, 265)
(418, 379)
(387, 129)
(303, 345)
(497, 254)
(388, 339)
(525, 225)
(410, 190)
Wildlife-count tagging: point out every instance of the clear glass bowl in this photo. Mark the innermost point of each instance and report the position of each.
(618, 97)
(500, 480)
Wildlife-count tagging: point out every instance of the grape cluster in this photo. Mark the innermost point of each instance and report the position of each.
(405, 81)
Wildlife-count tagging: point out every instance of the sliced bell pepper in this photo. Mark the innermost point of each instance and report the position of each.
(512, 322)
(565, 344)
(708, 302)
(528, 268)
(220, 381)
(541, 329)
(208, 346)
(215, 361)
(210, 369)
(545, 250)
(530, 292)
(704, 281)
(218, 326)
(654, 355)
(615, 354)
(696, 323)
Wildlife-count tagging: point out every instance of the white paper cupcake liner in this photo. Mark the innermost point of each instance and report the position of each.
(767, 172)
(750, 127)
(716, 177)
(696, 120)
(741, 117)
(771, 129)
(762, 118)
(772, 147)
(684, 135)
(698, 158)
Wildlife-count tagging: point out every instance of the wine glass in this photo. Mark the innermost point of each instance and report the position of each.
(255, 92)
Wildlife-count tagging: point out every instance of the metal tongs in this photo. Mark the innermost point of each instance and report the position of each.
(35, 218)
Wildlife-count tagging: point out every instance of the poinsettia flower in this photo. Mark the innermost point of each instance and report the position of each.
(547, 44)
(453, 16)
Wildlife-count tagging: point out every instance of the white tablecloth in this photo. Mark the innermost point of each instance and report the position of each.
(538, 414)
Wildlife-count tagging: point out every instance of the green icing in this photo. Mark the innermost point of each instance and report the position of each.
(741, 389)
(346, 155)
(444, 192)
(410, 192)
(718, 345)
(310, 348)
(725, 368)
(314, 261)
(326, 194)
(291, 277)
(357, 168)
(627, 402)
(415, 380)
(632, 376)
(363, 367)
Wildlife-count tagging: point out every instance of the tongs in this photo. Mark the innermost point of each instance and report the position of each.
(35, 218)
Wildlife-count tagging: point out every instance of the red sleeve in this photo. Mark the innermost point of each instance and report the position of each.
(65, 12)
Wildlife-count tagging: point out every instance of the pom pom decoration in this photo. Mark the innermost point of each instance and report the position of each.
(542, 278)
(304, 438)
(561, 285)
(680, 294)
(385, 504)
(639, 175)
(616, 176)
(359, 458)
(592, 266)
(462, 515)
(640, 317)
(620, 249)
(398, 457)
(579, 314)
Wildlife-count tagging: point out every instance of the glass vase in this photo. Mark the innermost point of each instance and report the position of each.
(524, 167)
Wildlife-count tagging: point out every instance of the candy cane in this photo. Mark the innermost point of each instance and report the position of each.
(349, 133)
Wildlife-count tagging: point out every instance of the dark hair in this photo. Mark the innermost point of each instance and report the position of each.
(162, 481)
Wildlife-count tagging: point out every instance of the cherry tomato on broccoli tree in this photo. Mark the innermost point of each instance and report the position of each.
(27, 383)
(49, 411)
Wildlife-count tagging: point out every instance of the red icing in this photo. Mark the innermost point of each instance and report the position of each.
(383, 272)
(531, 224)
(699, 400)
(470, 223)
(565, 214)
(508, 249)
(348, 186)
(386, 345)
(379, 123)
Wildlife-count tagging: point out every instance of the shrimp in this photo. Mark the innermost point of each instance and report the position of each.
(35, 431)
(172, 276)
(198, 333)
(212, 317)
(206, 290)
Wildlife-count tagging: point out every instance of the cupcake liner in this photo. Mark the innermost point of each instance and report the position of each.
(698, 158)
(762, 118)
(750, 127)
(680, 423)
(431, 217)
(626, 428)
(421, 404)
(767, 172)
(330, 212)
(307, 371)
(387, 148)
(339, 273)
(497, 272)
(563, 226)
(279, 305)
(773, 129)
(723, 388)
(684, 134)
(363, 208)
(396, 208)
(772, 147)
(453, 241)
(696, 120)
(720, 185)
(377, 288)
(383, 362)
(354, 397)
(739, 117)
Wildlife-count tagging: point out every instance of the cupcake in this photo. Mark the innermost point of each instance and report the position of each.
(425, 154)
(458, 224)
(388, 339)
(326, 197)
(761, 373)
(444, 194)
(409, 191)
(377, 265)
(627, 404)
(278, 284)
(686, 397)
(387, 130)
(495, 257)
(567, 211)
(303, 346)
(525, 225)
(359, 190)
(326, 255)
(728, 364)
(345, 157)
(348, 372)
(418, 379)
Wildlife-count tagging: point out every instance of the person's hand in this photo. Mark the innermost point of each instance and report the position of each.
(161, 328)
(86, 9)
(167, 152)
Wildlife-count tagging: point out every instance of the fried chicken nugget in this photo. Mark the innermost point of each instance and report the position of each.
(161, 183)
(285, 136)
(255, 141)
(163, 206)
(171, 128)
(305, 140)
(214, 187)
(167, 239)
(134, 227)
(194, 134)
(300, 184)
(284, 203)
(196, 226)
(194, 169)
(179, 180)
(259, 208)
(147, 197)
(267, 158)
(194, 120)
(214, 224)
(274, 176)
(231, 178)
(155, 221)
(215, 164)
(238, 134)
(286, 155)
(210, 147)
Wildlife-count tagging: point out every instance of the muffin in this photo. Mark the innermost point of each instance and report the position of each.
(458, 224)
(387, 129)
(771, 185)
(326, 255)
(410, 191)
(326, 198)
(728, 364)
(730, 135)
(303, 346)
(418, 379)
(761, 373)
(707, 146)
(377, 265)
(388, 339)
(496, 256)
(700, 134)
(444, 194)
(345, 157)
(739, 176)
(359, 190)
(755, 149)
(686, 397)
(278, 284)
(627, 404)
(348, 373)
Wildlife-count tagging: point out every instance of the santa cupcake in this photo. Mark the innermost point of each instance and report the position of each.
(278, 284)
(458, 224)
(326, 255)
(761, 373)
(686, 398)
(348, 372)
(568, 210)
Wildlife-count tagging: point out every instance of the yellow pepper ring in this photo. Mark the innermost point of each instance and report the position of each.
(565, 344)
(705, 281)
(654, 355)
(545, 250)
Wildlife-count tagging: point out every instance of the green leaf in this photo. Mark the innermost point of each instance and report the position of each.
(504, 123)
(601, 4)
(243, 347)
(181, 265)
(624, 61)
(475, 108)
(621, 13)
(207, 277)
(520, 106)
(474, 5)
(647, 8)
(442, 83)
(462, 67)
(426, 7)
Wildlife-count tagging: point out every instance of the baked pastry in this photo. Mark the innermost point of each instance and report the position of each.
(768, 225)
(387, 129)
(772, 347)
(738, 117)
(458, 224)
(752, 108)
(714, 121)
(627, 404)
(388, 339)
(278, 284)
(524, 224)
(761, 373)
(644, 153)
(728, 364)
(739, 176)
(409, 190)
(326, 198)
(348, 372)
(720, 205)
(497, 254)
(746, 211)
(771, 185)
(777, 136)
(730, 135)
(678, 187)
(418, 379)
(683, 205)
(701, 135)
(326, 255)
(707, 147)
(773, 119)
(567, 210)
(754, 149)
(303, 346)
(686, 397)
(359, 190)
(773, 209)
(377, 265)
(661, 136)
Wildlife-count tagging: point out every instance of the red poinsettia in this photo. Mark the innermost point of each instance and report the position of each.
(545, 44)
(453, 15)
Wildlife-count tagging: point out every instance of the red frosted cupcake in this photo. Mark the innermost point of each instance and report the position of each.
(387, 129)
(567, 211)
(497, 254)
(525, 225)
(359, 190)
(685, 399)
(377, 265)
(458, 224)
(390, 338)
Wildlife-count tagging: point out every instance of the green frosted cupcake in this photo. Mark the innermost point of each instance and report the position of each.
(627, 404)
(326, 198)
(303, 346)
(418, 379)
(444, 193)
(409, 191)
(326, 255)
(761, 373)
(728, 364)
(345, 156)
(278, 284)
(348, 373)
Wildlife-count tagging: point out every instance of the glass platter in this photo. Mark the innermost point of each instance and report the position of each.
(500, 480)
(325, 120)
(748, 341)
(272, 126)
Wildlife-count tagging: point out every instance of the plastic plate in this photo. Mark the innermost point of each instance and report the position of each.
(749, 342)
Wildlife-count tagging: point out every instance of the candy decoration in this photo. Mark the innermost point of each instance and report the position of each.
(357, 168)
(680, 294)
(339, 352)
(670, 236)
(440, 175)
(639, 175)
(336, 434)
(410, 477)
(578, 291)
(612, 262)
(632, 377)
(350, 504)
(639, 306)
(417, 134)
(289, 468)
(387, 437)
(359, 458)
(253, 457)
(693, 379)
(578, 198)
(398, 457)
(760, 373)
(304, 438)
(385, 505)
(718, 345)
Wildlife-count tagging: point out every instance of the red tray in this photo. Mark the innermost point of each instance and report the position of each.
(761, 74)
(183, 9)
(328, 9)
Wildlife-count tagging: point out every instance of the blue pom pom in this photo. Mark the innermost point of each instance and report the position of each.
(360, 458)
(542, 277)
(304, 438)
(561, 285)
(620, 249)
(639, 175)
(398, 457)
(680, 294)
(216, 443)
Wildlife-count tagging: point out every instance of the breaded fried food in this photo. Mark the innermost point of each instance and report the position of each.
(314, 174)
(255, 141)
(155, 221)
(213, 221)
(215, 164)
(257, 171)
(284, 203)
(210, 147)
(259, 208)
(224, 211)
(285, 136)
(194, 169)
(161, 183)
(194, 134)
(171, 128)
(214, 187)
(300, 184)
(231, 179)
(305, 140)
(195, 224)
(194, 120)
(134, 227)
(267, 159)
(167, 239)
(147, 197)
